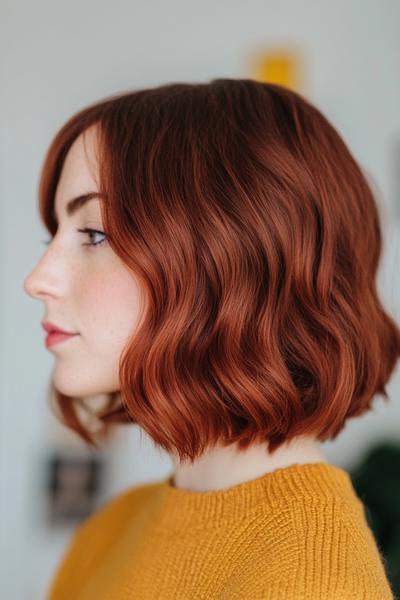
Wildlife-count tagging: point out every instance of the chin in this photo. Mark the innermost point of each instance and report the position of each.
(83, 383)
(71, 385)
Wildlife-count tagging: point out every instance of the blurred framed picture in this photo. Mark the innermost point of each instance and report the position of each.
(72, 485)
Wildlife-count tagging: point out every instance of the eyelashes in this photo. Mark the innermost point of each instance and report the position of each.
(89, 232)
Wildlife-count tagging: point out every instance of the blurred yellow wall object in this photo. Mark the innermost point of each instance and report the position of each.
(281, 65)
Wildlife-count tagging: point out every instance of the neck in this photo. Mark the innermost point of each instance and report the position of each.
(223, 467)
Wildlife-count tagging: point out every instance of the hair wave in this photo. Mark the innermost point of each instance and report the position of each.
(256, 239)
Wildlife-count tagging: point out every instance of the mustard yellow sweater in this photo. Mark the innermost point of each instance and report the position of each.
(298, 533)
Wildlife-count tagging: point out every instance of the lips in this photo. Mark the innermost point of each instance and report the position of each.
(51, 328)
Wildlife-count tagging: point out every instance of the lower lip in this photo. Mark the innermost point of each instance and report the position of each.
(56, 337)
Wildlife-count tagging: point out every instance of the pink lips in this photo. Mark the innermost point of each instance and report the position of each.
(55, 334)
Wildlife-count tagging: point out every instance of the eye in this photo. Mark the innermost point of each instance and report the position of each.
(89, 232)
(93, 231)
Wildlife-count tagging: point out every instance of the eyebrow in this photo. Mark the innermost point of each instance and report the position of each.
(76, 203)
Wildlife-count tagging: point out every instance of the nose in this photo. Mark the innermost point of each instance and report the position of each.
(31, 286)
(35, 284)
(44, 279)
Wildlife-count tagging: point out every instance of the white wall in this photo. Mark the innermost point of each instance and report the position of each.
(57, 57)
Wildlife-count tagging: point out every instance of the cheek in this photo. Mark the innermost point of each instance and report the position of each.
(110, 305)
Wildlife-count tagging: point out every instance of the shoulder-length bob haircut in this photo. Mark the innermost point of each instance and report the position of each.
(256, 239)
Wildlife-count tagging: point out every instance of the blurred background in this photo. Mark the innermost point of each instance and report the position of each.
(343, 55)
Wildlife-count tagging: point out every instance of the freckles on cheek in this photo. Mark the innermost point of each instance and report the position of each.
(96, 297)
(109, 298)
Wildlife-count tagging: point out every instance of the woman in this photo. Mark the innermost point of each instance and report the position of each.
(213, 254)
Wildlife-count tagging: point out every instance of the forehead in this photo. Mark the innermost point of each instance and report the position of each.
(79, 174)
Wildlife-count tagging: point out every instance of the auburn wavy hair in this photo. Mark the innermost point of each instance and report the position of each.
(256, 239)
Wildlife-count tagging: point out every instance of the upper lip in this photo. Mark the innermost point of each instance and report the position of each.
(50, 327)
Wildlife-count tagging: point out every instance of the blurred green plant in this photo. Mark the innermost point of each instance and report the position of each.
(376, 479)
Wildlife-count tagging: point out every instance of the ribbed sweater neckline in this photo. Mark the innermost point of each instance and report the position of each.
(179, 508)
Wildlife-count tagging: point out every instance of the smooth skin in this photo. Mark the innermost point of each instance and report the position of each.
(84, 289)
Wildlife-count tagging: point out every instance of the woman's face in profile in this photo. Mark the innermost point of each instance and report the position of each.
(85, 289)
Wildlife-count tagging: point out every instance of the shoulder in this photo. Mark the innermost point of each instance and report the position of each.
(337, 531)
(114, 512)
(314, 548)
(96, 535)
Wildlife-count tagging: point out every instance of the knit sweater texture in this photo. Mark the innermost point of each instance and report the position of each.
(297, 533)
